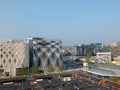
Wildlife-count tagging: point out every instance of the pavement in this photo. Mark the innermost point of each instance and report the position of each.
(116, 71)
(103, 71)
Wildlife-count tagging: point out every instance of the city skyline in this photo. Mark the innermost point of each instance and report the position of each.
(69, 21)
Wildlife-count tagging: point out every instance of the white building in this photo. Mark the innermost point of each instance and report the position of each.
(104, 56)
(14, 56)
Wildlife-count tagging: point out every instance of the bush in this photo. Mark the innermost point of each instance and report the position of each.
(34, 70)
(61, 67)
(50, 68)
(115, 78)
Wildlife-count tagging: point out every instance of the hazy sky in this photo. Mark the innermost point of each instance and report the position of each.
(70, 21)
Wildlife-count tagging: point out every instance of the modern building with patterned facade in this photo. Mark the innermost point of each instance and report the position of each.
(45, 52)
(14, 57)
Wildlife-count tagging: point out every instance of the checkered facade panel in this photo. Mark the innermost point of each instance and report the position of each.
(47, 52)
(13, 54)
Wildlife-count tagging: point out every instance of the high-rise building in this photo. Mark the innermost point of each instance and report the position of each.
(14, 57)
(82, 50)
(45, 52)
(97, 47)
(79, 49)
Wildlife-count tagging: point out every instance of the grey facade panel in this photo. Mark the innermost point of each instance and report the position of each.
(47, 52)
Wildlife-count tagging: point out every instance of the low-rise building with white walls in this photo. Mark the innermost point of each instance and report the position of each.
(104, 56)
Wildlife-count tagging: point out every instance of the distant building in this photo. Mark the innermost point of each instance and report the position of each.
(113, 44)
(14, 57)
(104, 56)
(79, 49)
(82, 50)
(97, 47)
(45, 52)
(118, 44)
(116, 61)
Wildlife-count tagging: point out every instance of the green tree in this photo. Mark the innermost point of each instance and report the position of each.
(34, 70)
(107, 48)
(88, 56)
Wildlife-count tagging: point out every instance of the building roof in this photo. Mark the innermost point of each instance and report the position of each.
(116, 59)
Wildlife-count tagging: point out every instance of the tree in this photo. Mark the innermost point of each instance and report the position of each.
(88, 56)
(34, 70)
(107, 48)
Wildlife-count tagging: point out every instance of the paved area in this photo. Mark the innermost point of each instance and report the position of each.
(116, 71)
(104, 71)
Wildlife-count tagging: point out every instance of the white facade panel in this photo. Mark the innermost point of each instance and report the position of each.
(13, 54)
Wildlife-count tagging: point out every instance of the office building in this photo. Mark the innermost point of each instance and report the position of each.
(97, 47)
(82, 50)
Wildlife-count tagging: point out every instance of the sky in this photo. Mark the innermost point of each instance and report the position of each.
(71, 21)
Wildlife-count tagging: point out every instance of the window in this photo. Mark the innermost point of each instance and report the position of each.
(44, 55)
(9, 60)
(1, 66)
(53, 55)
(57, 50)
(12, 55)
(9, 52)
(7, 55)
(4, 61)
(57, 43)
(48, 49)
(57, 62)
(52, 41)
(1, 56)
(48, 62)
(14, 60)
(38, 49)
(4, 52)
(61, 47)
(53, 46)
(33, 51)
(39, 62)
